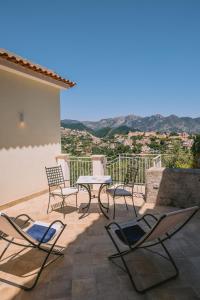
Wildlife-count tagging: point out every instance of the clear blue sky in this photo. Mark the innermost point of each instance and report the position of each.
(127, 56)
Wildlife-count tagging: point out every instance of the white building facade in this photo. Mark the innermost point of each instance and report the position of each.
(29, 126)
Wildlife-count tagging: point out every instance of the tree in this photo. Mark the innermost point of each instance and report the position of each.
(154, 145)
(177, 157)
(137, 148)
(173, 133)
(196, 151)
(137, 137)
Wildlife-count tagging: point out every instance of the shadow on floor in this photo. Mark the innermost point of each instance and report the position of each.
(85, 272)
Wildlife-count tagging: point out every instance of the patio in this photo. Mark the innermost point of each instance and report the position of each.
(85, 272)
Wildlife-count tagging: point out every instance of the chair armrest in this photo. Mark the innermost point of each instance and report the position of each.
(144, 219)
(148, 215)
(121, 230)
(75, 184)
(24, 215)
(28, 218)
(54, 222)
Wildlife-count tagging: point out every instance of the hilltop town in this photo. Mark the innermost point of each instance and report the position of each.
(82, 142)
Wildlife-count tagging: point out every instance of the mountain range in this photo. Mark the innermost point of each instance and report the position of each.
(124, 124)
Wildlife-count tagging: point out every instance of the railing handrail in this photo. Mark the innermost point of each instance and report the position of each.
(123, 156)
(157, 157)
(74, 158)
(135, 154)
(110, 162)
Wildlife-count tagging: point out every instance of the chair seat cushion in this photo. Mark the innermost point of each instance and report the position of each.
(37, 232)
(119, 192)
(132, 233)
(65, 191)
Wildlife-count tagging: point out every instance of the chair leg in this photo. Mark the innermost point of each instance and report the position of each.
(132, 198)
(63, 203)
(36, 279)
(6, 248)
(76, 200)
(126, 269)
(125, 202)
(63, 206)
(108, 201)
(48, 204)
(113, 207)
(41, 269)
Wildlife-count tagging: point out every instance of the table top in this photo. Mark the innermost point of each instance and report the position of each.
(94, 180)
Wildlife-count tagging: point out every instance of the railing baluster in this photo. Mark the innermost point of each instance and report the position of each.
(116, 168)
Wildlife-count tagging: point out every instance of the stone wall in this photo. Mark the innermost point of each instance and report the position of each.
(176, 187)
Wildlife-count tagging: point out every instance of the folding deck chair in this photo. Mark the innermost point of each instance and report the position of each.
(139, 234)
(39, 235)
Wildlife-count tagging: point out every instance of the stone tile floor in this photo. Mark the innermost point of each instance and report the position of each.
(85, 273)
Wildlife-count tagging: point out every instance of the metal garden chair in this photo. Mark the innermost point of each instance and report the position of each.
(57, 185)
(125, 189)
(39, 235)
(139, 234)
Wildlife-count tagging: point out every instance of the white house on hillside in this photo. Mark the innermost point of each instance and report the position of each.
(29, 125)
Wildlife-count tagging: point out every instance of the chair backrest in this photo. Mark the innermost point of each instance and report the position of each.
(130, 176)
(55, 176)
(11, 229)
(171, 223)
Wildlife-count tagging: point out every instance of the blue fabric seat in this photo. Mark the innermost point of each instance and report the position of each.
(37, 232)
(132, 234)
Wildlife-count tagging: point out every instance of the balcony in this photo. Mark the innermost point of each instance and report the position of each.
(85, 272)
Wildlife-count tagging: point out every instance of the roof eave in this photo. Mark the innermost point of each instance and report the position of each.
(28, 73)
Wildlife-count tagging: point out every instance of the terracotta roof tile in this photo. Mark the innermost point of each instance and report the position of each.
(34, 67)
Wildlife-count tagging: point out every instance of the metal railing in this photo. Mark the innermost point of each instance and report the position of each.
(157, 161)
(79, 166)
(117, 168)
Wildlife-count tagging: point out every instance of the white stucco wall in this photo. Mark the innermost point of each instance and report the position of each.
(25, 151)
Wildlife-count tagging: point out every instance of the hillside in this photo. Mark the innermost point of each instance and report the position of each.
(102, 132)
(159, 123)
(73, 124)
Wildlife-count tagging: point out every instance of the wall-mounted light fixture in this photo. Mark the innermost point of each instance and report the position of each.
(21, 120)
